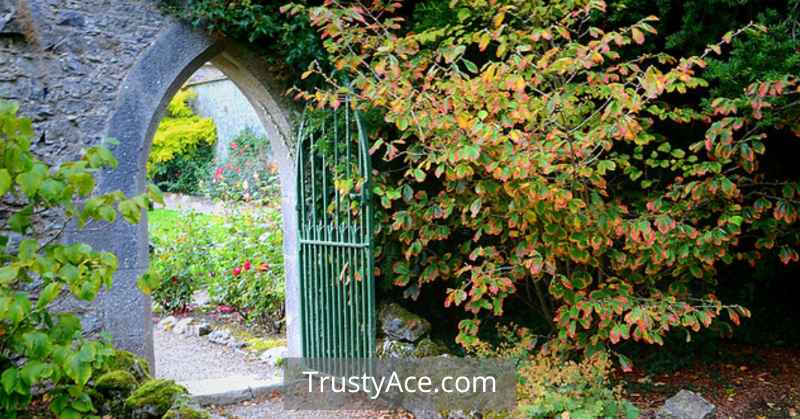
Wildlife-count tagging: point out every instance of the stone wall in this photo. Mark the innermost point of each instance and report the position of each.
(64, 61)
(85, 70)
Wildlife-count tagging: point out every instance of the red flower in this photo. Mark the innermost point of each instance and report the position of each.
(247, 265)
(218, 173)
(233, 146)
(263, 267)
(237, 270)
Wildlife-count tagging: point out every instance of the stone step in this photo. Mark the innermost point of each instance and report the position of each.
(230, 390)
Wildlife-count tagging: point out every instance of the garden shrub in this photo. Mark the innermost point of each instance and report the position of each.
(238, 257)
(551, 386)
(183, 146)
(250, 275)
(45, 357)
(247, 173)
(182, 259)
(532, 168)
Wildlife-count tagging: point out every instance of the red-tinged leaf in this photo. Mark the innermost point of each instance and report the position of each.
(637, 36)
(625, 363)
(614, 336)
(762, 89)
(734, 316)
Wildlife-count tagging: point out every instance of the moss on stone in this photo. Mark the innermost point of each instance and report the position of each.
(186, 412)
(153, 398)
(398, 323)
(396, 349)
(134, 364)
(116, 380)
(427, 347)
(256, 344)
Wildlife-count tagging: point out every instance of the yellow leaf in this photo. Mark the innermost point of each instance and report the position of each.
(464, 121)
(498, 19)
(484, 42)
(519, 84)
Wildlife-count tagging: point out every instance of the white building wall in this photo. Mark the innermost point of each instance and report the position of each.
(218, 98)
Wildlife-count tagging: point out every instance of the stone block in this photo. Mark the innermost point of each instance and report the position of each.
(687, 405)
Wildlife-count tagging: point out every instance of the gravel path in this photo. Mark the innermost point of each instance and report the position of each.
(272, 407)
(183, 358)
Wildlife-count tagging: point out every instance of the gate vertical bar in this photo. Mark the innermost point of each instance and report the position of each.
(335, 229)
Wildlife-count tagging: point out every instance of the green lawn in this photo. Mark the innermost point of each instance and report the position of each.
(162, 222)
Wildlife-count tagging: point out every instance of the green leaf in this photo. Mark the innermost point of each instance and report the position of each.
(27, 249)
(70, 273)
(154, 194)
(78, 370)
(33, 371)
(107, 213)
(70, 413)
(471, 67)
(402, 124)
(82, 181)
(475, 207)
(83, 404)
(37, 344)
(19, 308)
(130, 211)
(9, 380)
(5, 181)
(419, 175)
(148, 282)
(49, 293)
(21, 220)
(52, 189)
(470, 152)
(8, 274)
(463, 14)
(31, 180)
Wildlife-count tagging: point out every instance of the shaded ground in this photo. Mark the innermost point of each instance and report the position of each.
(744, 382)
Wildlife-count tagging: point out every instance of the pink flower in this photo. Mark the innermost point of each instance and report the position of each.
(233, 146)
(218, 173)
(237, 270)
(247, 265)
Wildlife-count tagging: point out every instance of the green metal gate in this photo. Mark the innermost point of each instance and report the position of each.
(335, 236)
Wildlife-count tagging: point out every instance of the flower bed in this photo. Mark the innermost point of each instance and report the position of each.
(237, 258)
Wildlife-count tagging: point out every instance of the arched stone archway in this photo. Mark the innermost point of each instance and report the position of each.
(143, 95)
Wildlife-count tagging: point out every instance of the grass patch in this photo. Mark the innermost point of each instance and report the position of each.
(163, 222)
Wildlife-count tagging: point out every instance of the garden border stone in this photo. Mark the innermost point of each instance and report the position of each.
(230, 390)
